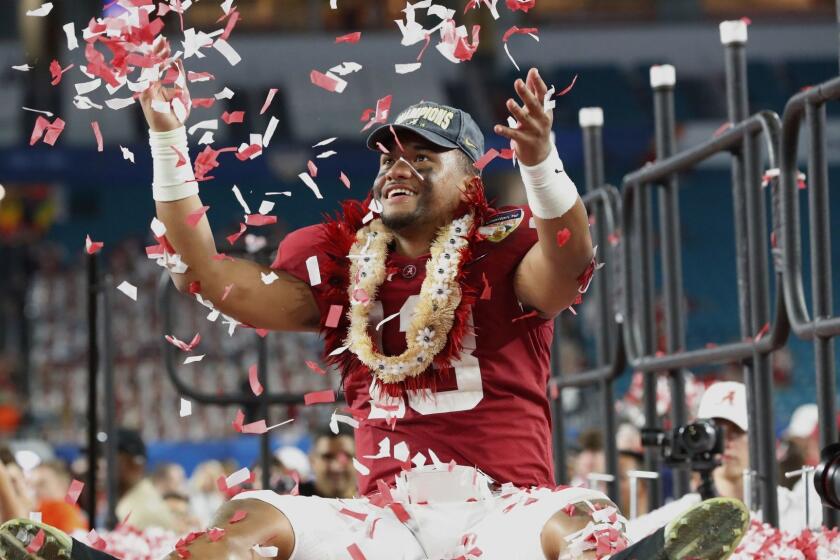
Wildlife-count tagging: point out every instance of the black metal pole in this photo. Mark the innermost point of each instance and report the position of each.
(93, 369)
(265, 439)
(110, 404)
(645, 302)
(821, 273)
(561, 472)
(591, 121)
(734, 37)
(663, 80)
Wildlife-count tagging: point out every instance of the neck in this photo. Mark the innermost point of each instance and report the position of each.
(418, 240)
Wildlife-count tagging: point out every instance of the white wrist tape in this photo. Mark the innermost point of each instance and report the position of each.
(170, 182)
(549, 190)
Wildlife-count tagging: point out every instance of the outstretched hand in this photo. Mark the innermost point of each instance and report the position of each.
(531, 139)
(175, 118)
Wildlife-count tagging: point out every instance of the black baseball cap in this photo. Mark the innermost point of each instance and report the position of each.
(441, 125)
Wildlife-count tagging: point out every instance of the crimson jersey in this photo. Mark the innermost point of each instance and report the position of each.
(491, 410)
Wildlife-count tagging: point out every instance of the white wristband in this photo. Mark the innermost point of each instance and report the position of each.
(549, 190)
(171, 182)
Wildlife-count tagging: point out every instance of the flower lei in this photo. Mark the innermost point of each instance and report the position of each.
(440, 296)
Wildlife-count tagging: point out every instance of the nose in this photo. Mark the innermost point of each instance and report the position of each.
(400, 170)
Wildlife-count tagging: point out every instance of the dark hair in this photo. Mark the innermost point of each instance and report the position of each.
(591, 440)
(343, 431)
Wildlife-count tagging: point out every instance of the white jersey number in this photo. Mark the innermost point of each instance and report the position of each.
(467, 375)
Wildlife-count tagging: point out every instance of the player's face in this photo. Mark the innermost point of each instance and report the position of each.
(736, 454)
(420, 185)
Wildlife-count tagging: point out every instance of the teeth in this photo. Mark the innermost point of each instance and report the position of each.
(400, 191)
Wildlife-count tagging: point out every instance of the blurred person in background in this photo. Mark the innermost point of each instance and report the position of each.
(169, 478)
(140, 504)
(591, 457)
(15, 497)
(331, 458)
(205, 496)
(179, 507)
(630, 458)
(50, 482)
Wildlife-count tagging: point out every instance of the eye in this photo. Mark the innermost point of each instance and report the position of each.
(421, 157)
(386, 161)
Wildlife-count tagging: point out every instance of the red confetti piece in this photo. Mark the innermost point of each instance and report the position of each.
(568, 87)
(317, 397)
(194, 287)
(396, 139)
(323, 81)
(269, 98)
(334, 316)
(425, 46)
(344, 179)
(57, 72)
(227, 292)
(295, 491)
(49, 130)
(260, 220)
(205, 102)
(353, 514)
(238, 516)
(488, 156)
(721, 129)
(316, 368)
(746, 20)
(523, 5)
(37, 542)
(464, 51)
(199, 76)
(234, 236)
(193, 218)
(485, 293)
(399, 511)
(95, 541)
(254, 380)
(183, 345)
(313, 169)
(181, 159)
(98, 134)
(74, 492)
(216, 533)
(93, 247)
(764, 330)
(380, 115)
(234, 117)
(349, 38)
(515, 30)
(506, 153)
(248, 152)
(382, 148)
(563, 237)
(526, 316)
(356, 552)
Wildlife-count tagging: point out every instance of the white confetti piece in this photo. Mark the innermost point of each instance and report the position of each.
(226, 93)
(333, 4)
(418, 460)
(266, 206)
(210, 124)
(70, 31)
(325, 142)
(339, 350)
(47, 113)
(226, 6)
(238, 477)
(128, 289)
(227, 51)
(158, 228)
(127, 154)
(325, 155)
(186, 408)
(206, 138)
(313, 270)
(269, 131)
(336, 418)
(22, 68)
(161, 106)
(407, 68)
(360, 468)
(269, 278)
(87, 87)
(119, 103)
(345, 68)
(36, 516)
(265, 551)
(384, 449)
(193, 359)
(375, 206)
(284, 193)
(307, 180)
(44, 10)
(401, 452)
(241, 200)
(84, 103)
(386, 319)
(548, 102)
(507, 52)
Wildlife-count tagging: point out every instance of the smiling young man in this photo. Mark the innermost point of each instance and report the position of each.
(443, 344)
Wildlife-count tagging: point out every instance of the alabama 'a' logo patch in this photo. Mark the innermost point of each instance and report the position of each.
(502, 224)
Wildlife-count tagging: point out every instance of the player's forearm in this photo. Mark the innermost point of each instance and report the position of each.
(566, 248)
(195, 244)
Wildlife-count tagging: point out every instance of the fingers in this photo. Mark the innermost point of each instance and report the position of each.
(536, 83)
(518, 112)
(509, 133)
(527, 96)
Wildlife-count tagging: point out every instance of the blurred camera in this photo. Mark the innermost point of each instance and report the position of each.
(827, 476)
(697, 444)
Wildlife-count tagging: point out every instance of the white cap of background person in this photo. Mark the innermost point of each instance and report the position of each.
(805, 421)
(726, 400)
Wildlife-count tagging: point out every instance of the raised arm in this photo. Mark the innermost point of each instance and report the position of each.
(547, 279)
(285, 304)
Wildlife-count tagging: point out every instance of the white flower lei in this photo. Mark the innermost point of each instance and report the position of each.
(440, 296)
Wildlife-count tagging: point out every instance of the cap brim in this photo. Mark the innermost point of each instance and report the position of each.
(383, 133)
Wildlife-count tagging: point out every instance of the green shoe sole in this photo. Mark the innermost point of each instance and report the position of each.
(16, 535)
(711, 530)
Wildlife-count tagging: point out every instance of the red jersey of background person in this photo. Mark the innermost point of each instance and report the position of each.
(492, 410)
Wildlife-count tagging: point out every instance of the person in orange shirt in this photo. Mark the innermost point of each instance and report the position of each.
(49, 482)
